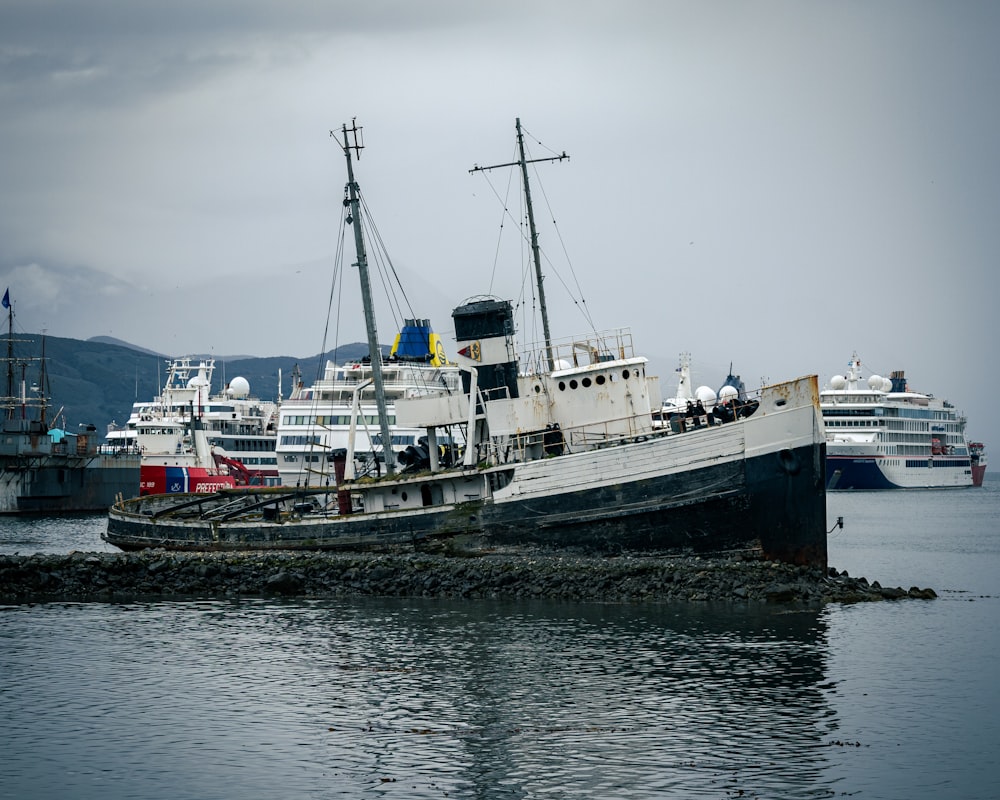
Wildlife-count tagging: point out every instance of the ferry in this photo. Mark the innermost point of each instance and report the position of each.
(880, 434)
(192, 440)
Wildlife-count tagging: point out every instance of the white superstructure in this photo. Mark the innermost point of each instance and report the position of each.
(237, 425)
(882, 435)
(316, 421)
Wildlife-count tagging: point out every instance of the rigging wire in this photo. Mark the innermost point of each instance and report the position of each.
(336, 291)
(577, 297)
(305, 473)
(530, 313)
(391, 282)
(379, 261)
(582, 302)
(527, 281)
(506, 213)
(40, 390)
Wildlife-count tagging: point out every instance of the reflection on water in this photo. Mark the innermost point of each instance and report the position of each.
(414, 698)
(478, 699)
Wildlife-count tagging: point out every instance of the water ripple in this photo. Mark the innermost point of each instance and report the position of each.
(424, 697)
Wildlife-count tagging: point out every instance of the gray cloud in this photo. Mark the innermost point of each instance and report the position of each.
(773, 184)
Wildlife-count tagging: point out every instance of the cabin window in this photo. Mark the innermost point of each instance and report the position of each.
(572, 384)
(600, 380)
(586, 383)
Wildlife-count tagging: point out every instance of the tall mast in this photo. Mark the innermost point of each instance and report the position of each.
(43, 385)
(522, 162)
(374, 350)
(10, 360)
(539, 279)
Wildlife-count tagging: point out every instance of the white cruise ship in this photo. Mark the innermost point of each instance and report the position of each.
(315, 424)
(882, 435)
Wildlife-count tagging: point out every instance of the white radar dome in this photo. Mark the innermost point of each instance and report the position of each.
(238, 387)
(875, 383)
(706, 394)
(838, 381)
(561, 363)
(727, 394)
(886, 385)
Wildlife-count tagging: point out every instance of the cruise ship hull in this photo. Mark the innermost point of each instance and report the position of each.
(870, 474)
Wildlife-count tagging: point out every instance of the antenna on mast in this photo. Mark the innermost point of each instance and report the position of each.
(354, 132)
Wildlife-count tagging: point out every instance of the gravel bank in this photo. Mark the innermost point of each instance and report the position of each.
(171, 575)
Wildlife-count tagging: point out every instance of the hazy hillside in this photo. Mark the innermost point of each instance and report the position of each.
(119, 342)
(97, 381)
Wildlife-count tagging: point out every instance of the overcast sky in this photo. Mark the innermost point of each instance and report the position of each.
(776, 184)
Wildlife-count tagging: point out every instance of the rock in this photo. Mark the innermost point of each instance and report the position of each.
(780, 593)
(286, 583)
(509, 573)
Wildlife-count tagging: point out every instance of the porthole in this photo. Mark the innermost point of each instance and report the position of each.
(538, 389)
(625, 374)
(600, 380)
(403, 495)
(586, 383)
(572, 384)
(562, 386)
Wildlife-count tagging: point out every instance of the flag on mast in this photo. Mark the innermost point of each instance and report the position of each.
(6, 298)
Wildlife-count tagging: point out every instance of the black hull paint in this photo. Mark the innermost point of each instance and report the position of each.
(774, 504)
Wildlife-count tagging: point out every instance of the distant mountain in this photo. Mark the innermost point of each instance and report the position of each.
(96, 381)
(120, 343)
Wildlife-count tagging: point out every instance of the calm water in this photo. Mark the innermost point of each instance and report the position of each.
(479, 699)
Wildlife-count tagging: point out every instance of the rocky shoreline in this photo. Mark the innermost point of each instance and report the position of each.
(102, 577)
